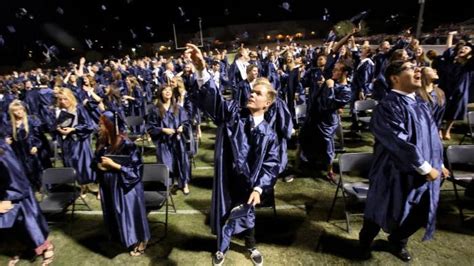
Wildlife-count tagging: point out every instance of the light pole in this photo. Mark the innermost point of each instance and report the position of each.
(420, 18)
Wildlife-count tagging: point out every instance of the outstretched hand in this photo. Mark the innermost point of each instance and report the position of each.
(196, 56)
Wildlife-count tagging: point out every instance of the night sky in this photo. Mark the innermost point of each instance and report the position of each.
(44, 22)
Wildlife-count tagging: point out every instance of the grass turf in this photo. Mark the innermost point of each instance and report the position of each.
(298, 235)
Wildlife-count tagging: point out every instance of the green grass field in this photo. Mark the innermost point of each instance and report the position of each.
(298, 235)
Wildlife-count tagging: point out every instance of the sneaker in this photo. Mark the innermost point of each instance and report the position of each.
(218, 258)
(288, 178)
(256, 257)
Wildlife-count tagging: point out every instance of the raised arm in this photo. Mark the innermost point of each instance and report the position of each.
(205, 94)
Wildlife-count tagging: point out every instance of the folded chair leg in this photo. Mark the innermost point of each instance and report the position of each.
(348, 225)
(172, 203)
(334, 201)
(458, 201)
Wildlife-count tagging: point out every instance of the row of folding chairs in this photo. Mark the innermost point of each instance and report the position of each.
(60, 192)
(354, 194)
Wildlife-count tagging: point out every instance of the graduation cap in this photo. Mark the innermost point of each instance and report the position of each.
(326, 15)
(65, 119)
(89, 43)
(103, 7)
(11, 29)
(240, 219)
(357, 18)
(2, 41)
(21, 13)
(134, 35)
(286, 6)
(59, 10)
(240, 211)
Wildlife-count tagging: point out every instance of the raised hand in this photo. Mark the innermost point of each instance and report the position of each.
(196, 56)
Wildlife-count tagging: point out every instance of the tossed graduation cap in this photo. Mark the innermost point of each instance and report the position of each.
(59, 10)
(134, 35)
(286, 6)
(326, 15)
(103, 7)
(11, 29)
(89, 43)
(359, 17)
(21, 13)
(2, 41)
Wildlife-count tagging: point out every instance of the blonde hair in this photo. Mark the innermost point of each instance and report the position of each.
(271, 92)
(13, 105)
(70, 96)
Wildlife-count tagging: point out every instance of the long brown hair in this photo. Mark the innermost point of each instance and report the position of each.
(159, 102)
(424, 84)
(108, 134)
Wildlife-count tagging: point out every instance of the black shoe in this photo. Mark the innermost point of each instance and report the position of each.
(365, 252)
(402, 254)
(256, 257)
(218, 258)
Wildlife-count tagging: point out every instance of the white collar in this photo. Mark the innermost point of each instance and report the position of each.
(257, 120)
(411, 95)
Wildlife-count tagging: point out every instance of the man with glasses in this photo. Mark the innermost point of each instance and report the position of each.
(408, 157)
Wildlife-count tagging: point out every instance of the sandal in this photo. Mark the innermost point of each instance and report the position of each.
(138, 250)
(13, 261)
(48, 255)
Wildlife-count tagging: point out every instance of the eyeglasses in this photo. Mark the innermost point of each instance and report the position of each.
(411, 67)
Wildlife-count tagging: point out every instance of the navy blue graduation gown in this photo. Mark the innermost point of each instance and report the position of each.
(362, 78)
(437, 109)
(122, 196)
(271, 73)
(459, 89)
(32, 101)
(15, 187)
(136, 108)
(279, 118)
(76, 147)
(317, 138)
(46, 106)
(242, 92)
(405, 137)
(243, 158)
(290, 84)
(22, 146)
(170, 149)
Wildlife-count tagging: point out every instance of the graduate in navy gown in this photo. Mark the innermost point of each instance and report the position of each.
(279, 118)
(74, 137)
(324, 119)
(246, 158)
(241, 93)
(433, 95)
(18, 206)
(134, 102)
(165, 124)
(238, 70)
(408, 157)
(270, 70)
(459, 87)
(193, 127)
(24, 137)
(121, 187)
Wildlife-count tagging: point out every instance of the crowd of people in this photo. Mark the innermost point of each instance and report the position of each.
(417, 91)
